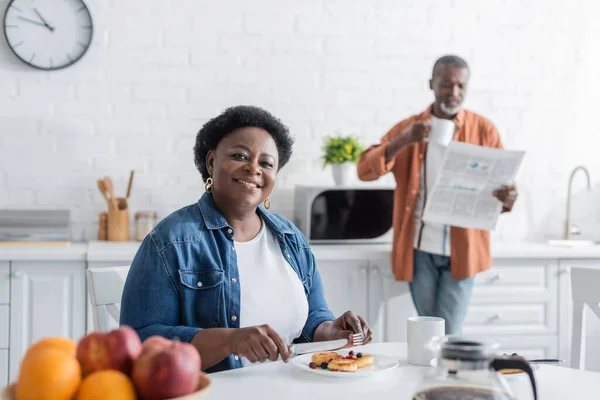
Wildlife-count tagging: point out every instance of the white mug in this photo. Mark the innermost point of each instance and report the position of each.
(420, 331)
(442, 131)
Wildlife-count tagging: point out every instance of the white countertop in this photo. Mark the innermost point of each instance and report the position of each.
(107, 251)
(73, 252)
(286, 381)
(542, 250)
(97, 251)
(112, 251)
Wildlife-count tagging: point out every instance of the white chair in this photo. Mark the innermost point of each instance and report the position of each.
(105, 286)
(585, 289)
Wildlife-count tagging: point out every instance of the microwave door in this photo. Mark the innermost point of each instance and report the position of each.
(339, 215)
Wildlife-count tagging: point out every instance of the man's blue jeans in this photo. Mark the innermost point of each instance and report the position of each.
(436, 294)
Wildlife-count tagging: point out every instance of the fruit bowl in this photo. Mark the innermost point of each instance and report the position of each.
(204, 385)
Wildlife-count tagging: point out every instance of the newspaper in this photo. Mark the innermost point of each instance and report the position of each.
(469, 174)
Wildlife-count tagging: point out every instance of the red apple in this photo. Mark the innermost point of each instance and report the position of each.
(116, 349)
(156, 343)
(166, 369)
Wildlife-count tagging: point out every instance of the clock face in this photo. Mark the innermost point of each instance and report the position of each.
(48, 34)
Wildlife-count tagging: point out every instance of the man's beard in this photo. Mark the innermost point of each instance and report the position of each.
(449, 110)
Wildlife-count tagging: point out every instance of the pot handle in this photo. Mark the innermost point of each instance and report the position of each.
(516, 363)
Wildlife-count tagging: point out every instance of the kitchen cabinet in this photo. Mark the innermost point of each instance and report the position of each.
(4, 320)
(515, 303)
(522, 302)
(4, 282)
(4, 324)
(345, 285)
(390, 303)
(47, 298)
(591, 329)
(515, 296)
(3, 367)
(529, 346)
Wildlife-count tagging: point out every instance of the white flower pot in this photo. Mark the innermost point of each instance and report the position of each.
(344, 174)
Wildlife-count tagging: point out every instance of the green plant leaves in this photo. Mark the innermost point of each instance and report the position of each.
(341, 149)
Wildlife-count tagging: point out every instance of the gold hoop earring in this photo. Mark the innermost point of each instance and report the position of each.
(267, 203)
(208, 186)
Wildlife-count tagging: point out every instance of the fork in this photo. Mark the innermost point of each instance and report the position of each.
(357, 339)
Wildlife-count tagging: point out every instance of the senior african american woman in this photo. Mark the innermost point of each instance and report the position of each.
(237, 281)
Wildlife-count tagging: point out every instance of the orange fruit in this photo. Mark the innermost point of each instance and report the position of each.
(59, 343)
(48, 374)
(107, 384)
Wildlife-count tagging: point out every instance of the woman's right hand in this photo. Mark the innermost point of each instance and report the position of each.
(258, 344)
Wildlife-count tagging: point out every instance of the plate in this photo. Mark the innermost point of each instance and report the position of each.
(380, 364)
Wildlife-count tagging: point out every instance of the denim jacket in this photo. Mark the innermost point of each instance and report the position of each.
(184, 276)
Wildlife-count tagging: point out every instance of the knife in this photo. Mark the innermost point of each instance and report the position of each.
(546, 361)
(304, 348)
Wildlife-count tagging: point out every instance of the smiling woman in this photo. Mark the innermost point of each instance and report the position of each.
(237, 281)
(243, 146)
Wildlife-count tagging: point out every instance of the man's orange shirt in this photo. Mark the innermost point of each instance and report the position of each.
(469, 248)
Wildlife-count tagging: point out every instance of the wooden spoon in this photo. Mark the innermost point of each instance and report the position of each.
(102, 189)
(108, 184)
(130, 183)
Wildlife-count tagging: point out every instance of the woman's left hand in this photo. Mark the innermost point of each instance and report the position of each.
(346, 326)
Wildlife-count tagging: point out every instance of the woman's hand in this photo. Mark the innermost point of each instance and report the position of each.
(343, 328)
(258, 344)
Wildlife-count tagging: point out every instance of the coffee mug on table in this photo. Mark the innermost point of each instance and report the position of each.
(420, 331)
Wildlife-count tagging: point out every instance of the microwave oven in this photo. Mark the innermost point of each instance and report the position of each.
(356, 214)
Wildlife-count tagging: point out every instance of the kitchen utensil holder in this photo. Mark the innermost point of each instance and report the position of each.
(118, 221)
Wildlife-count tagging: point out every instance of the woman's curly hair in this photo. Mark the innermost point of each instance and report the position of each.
(234, 118)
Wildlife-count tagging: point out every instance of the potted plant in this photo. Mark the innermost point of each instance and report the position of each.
(342, 153)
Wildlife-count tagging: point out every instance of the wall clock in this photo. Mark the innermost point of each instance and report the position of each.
(48, 34)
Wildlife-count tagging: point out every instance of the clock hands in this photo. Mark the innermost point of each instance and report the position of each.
(43, 20)
(43, 23)
(31, 21)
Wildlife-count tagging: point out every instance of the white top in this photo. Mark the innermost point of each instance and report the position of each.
(285, 381)
(431, 237)
(271, 292)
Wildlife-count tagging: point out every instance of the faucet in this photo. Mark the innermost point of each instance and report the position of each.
(568, 228)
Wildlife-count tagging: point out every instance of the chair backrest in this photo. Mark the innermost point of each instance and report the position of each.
(585, 284)
(105, 287)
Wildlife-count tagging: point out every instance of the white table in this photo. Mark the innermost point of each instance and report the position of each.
(285, 381)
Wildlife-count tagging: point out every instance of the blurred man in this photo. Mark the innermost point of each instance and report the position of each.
(438, 261)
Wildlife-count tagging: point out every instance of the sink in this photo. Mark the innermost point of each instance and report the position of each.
(571, 243)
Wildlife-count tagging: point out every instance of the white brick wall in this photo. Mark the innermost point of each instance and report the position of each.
(154, 75)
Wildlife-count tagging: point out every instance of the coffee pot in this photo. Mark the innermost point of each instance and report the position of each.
(467, 368)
